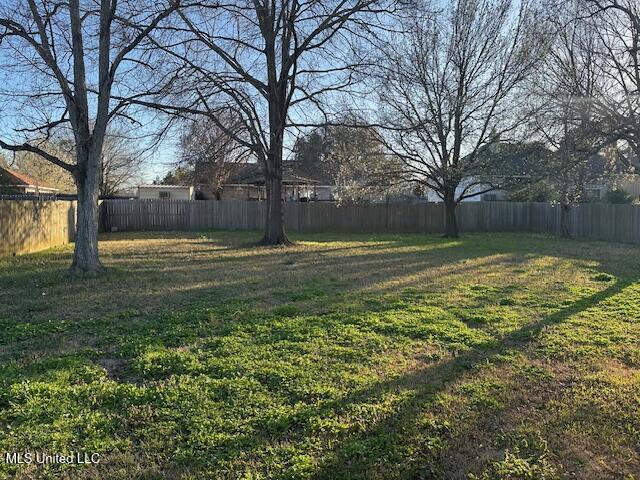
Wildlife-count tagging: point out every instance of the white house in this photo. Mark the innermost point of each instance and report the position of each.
(166, 192)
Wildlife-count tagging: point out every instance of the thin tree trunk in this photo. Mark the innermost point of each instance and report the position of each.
(451, 222)
(565, 228)
(85, 255)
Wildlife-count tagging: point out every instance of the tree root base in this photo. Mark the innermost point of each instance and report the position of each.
(275, 242)
(86, 271)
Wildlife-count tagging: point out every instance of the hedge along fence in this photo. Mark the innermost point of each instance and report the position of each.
(30, 225)
(619, 223)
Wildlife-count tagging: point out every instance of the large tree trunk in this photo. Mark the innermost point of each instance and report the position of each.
(85, 255)
(565, 227)
(450, 220)
(274, 232)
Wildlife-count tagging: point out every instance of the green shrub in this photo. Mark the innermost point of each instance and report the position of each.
(514, 467)
(619, 196)
(603, 277)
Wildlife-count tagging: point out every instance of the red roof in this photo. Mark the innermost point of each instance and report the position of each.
(22, 179)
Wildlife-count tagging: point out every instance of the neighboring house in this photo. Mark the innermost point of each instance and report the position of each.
(505, 163)
(299, 184)
(596, 190)
(246, 182)
(630, 183)
(166, 192)
(324, 188)
(16, 183)
(480, 189)
(611, 173)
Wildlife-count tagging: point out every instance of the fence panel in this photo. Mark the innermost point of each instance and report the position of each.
(31, 225)
(599, 221)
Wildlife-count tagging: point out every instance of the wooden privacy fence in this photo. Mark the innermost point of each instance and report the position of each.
(31, 225)
(619, 223)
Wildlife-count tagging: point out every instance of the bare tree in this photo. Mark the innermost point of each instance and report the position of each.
(67, 60)
(210, 152)
(46, 172)
(266, 60)
(122, 161)
(571, 86)
(616, 24)
(453, 85)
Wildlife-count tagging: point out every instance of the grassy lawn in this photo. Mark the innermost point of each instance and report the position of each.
(198, 356)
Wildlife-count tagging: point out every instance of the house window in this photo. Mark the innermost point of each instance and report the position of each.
(164, 195)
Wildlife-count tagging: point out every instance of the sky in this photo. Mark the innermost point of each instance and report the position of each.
(19, 77)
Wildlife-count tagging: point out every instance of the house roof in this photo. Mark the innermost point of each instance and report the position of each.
(286, 180)
(165, 187)
(243, 173)
(20, 179)
(509, 159)
(251, 174)
(317, 171)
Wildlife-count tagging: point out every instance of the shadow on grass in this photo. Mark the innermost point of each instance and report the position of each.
(425, 384)
(177, 277)
(157, 280)
(351, 455)
(363, 454)
(366, 453)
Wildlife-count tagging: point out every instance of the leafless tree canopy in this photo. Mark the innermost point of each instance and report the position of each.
(272, 63)
(452, 86)
(565, 86)
(122, 163)
(448, 81)
(210, 152)
(615, 26)
(46, 173)
(587, 93)
(62, 63)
